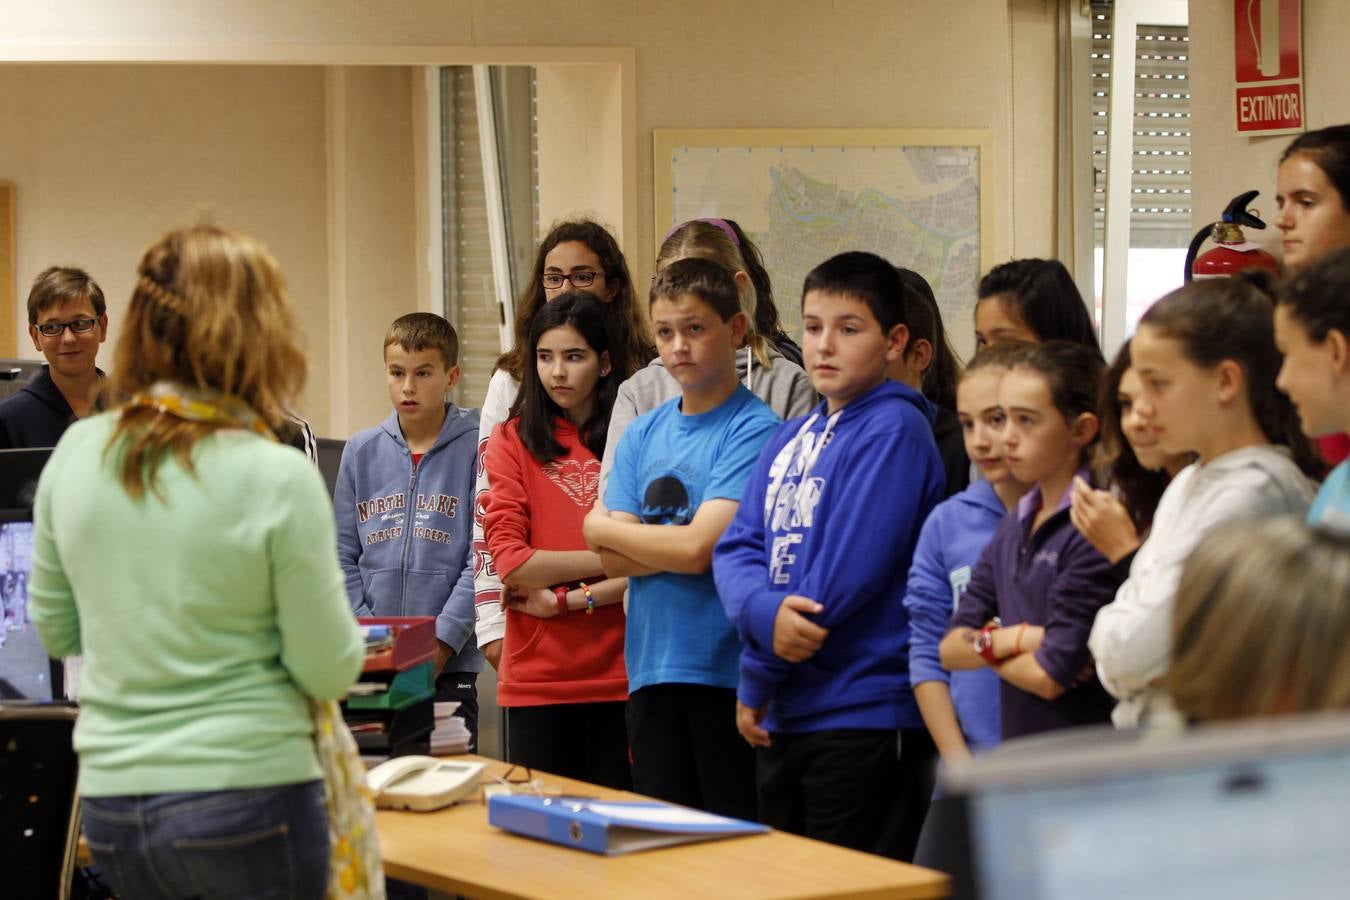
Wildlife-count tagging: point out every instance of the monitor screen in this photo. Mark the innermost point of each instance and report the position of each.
(1253, 815)
(330, 458)
(19, 471)
(26, 672)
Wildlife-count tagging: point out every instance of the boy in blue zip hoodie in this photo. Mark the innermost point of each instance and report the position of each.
(404, 505)
(812, 572)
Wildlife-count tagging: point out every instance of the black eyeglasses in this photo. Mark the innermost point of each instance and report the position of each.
(584, 279)
(77, 326)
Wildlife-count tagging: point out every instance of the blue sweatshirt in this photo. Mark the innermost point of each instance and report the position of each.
(831, 512)
(950, 545)
(425, 570)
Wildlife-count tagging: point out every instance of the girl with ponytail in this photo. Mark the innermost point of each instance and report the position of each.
(1207, 361)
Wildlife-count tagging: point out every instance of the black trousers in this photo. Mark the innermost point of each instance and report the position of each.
(918, 778)
(586, 741)
(848, 787)
(686, 748)
(450, 687)
(461, 687)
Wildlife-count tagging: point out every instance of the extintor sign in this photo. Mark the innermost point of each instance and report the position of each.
(1268, 70)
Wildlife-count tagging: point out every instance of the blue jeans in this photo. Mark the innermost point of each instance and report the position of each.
(259, 843)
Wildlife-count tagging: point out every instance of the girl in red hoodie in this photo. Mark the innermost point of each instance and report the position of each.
(562, 671)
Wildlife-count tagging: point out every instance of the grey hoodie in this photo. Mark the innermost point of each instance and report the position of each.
(403, 531)
(783, 386)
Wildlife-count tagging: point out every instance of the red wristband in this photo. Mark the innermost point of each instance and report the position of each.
(561, 592)
(984, 645)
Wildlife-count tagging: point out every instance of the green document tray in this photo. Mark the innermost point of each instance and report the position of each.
(407, 687)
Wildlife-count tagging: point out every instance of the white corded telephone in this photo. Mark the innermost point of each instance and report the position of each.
(422, 783)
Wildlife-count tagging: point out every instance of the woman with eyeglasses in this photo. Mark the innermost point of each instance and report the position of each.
(576, 255)
(67, 320)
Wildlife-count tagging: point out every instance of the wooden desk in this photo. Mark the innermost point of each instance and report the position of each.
(455, 850)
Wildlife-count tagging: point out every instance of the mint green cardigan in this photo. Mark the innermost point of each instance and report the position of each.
(204, 619)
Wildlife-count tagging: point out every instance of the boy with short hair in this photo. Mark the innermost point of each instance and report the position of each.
(67, 320)
(812, 572)
(678, 475)
(1312, 330)
(404, 504)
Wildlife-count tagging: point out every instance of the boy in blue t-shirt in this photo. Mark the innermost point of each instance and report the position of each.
(1312, 330)
(677, 479)
(812, 571)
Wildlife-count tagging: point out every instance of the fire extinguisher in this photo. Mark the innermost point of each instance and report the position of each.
(1234, 251)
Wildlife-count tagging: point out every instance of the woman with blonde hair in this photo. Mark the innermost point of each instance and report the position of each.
(189, 558)
(1261, 625)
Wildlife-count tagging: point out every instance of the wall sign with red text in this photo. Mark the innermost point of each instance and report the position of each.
(1268, 57)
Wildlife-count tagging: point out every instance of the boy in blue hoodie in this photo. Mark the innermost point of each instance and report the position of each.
(812, 572)
(404, 505)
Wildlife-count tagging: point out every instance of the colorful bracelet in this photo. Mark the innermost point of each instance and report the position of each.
(590, 601)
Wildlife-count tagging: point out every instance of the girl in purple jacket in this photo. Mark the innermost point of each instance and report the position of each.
(1032, 598)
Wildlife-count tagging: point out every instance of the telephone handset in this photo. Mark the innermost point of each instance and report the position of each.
(422, 783)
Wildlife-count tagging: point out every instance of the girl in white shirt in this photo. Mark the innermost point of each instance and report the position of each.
(1206, 358)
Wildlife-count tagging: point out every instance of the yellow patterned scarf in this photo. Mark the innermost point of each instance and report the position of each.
(200, 405)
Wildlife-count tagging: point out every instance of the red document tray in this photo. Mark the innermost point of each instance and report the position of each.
(414, 643)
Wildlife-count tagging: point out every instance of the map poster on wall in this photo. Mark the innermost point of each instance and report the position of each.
(921, 199)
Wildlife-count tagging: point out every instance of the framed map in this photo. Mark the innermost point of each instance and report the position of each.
(921, 199)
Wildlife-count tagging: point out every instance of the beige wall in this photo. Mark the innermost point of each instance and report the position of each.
(851, 64)
(579, 118)
(106, 159)
(1224, 164)
(699, 64)
(375, 246)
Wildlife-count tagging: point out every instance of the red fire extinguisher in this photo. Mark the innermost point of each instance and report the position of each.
(1234, 252)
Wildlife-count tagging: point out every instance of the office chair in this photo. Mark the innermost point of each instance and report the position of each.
(39, 808)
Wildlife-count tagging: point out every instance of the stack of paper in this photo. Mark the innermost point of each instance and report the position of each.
(450, 735)
(377, 638)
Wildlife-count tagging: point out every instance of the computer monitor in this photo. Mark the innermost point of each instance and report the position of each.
(1249, 810)
(26, 672)
(330, 458)
(20, 370)
(19, 471)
